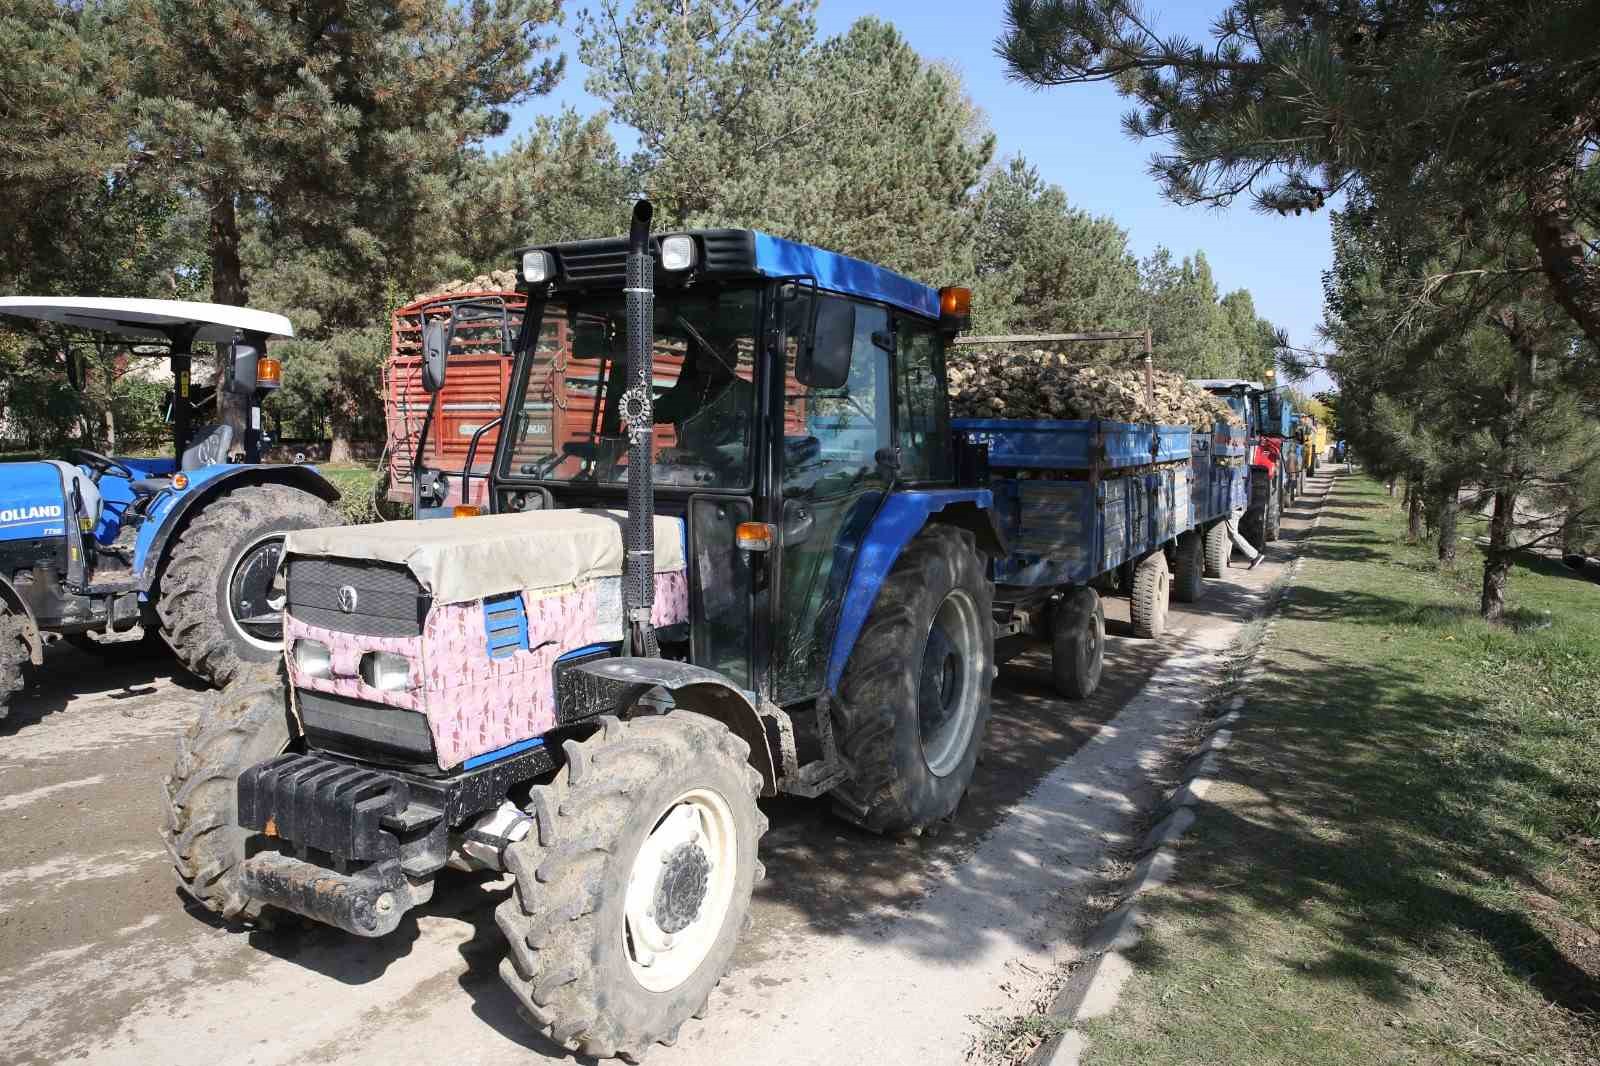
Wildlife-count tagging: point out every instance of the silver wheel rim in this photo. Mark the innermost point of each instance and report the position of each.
(671, 918)
(948, 690)
(259, 624)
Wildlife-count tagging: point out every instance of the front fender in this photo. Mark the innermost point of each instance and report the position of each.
(701, 691)
(168, 513)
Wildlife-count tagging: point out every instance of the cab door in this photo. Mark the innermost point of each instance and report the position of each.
(835, 462)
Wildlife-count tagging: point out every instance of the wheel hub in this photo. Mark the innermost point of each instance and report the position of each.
(685, 875)
(255, 593)
(947, 697)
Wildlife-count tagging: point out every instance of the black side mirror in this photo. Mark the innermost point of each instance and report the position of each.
(239, 374)
(436, 336)
(823, 361)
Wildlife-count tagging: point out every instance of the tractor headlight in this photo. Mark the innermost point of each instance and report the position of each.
(677, 253)
(538, 267)
(386, 671)
(312, 658)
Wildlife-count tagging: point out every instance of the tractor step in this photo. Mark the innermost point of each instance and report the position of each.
(808, 780)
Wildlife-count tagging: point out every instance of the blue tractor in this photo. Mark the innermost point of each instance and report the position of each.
(92, 546)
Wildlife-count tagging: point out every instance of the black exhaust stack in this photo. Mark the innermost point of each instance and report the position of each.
(638, 414)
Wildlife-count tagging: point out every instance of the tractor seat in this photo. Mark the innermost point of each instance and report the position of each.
(88, 491)
(209, 447)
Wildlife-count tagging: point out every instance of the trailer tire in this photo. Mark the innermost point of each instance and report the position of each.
(578, 958)
(1151, 586)
(244, 724)
(14, 657)
(1272, 519)
(232, 535)
(1188, 579)
(1078, 643)
(918, 679)
(1218, 549)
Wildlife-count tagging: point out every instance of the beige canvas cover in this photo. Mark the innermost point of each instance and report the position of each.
(459, 559)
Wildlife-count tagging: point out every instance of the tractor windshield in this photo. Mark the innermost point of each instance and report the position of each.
(566, 426)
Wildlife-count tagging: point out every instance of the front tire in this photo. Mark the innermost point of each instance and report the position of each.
(245, 724)
(1151, 586)
(217, 599)
(914, 700)
(630, 893)
(14, 658)
(1078, 643)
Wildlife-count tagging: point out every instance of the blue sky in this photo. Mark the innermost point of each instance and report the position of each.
(1074, 136)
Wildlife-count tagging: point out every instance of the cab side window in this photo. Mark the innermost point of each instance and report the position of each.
(923, 415)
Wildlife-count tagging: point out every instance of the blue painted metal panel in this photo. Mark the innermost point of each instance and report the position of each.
(116, 493)
(32, 501)
(901, 517)
(1071, 444)
(501, 753)
(587, 649)
(777, 257)
(505, 622)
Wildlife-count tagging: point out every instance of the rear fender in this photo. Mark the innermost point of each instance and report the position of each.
(30, 627)
(696, 690)
(171, 510)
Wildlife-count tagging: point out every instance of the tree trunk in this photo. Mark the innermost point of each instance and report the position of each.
(1390, 486)
(1449, 508)
(1573, 277)
(227, 287)
(1414, 508)
(339, 448)
(1497, 560)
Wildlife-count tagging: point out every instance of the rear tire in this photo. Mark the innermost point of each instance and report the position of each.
(1078, 643)
(245, 724)
(914, 700)
(1151, 584)
(1218, 549)
(1188, 582)
(1272, 519)
(237, 535)
(14, 658)
(580, 961)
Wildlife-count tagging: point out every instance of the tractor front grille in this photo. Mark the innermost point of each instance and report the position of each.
(387, 600)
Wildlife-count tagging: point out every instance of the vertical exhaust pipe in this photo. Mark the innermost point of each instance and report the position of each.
(638, 414)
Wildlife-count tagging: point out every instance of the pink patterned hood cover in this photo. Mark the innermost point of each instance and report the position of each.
(474, 703)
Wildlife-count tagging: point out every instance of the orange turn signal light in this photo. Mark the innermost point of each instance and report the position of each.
(466, 510)
(956, 301)
(755, 536)
(269, 373)
(180, 481)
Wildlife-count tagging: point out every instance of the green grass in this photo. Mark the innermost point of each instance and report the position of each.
(1403, 866)
(355, 482)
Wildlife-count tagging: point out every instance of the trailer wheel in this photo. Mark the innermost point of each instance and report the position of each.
(1188, 581)
(218, 602)
(631, 892)
(1151, 582)
(914, 699)
(1218, 549)
(14, 658)
(1272, 519)
(244, 724)
(1078, 643)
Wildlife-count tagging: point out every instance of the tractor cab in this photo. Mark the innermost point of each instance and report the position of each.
(88, 541)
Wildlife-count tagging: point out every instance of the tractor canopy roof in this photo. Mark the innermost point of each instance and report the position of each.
(733, 253)
(1227, 384)
(150, 320)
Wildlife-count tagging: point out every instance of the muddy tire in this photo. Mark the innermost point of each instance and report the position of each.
(1218, 549)
(219, 558)
(244, 724)
(14, 658)
(1151, 585)
(1078, 644)
(1272, 519)
(914, 700)
(607, 858)
(1188, 577)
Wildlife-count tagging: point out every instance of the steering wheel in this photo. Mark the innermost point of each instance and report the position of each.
(100, 465)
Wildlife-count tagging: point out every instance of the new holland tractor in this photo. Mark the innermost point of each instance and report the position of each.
(92, 546)
(737, 564)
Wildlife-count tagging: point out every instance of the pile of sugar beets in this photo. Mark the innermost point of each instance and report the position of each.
(1011, 383)
(494, 281)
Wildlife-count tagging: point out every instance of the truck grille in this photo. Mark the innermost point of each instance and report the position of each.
(389, 601)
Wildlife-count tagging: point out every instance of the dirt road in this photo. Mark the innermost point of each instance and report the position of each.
(861, 949)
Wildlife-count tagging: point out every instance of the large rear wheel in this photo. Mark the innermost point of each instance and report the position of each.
(220, 600)
(14, 658)
(630, 894)
(914, 700)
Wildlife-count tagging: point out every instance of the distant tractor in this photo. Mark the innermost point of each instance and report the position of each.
(92, 546)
